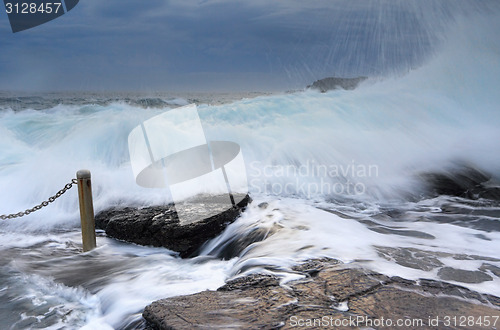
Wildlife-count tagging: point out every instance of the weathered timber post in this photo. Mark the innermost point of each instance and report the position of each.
(86, 210)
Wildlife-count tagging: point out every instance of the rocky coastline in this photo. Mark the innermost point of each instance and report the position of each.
(332, 83)
(160, 226)
(330, 294)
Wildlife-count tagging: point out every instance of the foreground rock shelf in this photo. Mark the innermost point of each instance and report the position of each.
(330, 295)
(160, 226)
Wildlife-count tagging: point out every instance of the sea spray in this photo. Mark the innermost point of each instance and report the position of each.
(424, 121)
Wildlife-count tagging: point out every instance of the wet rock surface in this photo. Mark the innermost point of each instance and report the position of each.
(463, 181)
(428, 261)
(329, 294)
(465, 276)
(411, 258)
(160, 225)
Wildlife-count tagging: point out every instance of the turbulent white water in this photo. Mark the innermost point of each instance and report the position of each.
(331, 169)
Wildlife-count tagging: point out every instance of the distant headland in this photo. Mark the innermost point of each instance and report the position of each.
(331, 83)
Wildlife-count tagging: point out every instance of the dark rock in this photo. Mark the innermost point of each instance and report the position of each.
(410, 233)
(336, 295)
(160, 226)
(488, 192)
(313, 267)
(489, 267)
(235, 245)
(462, 181)
(263, 205)
(332, 83)
(410, 257)
(465, 276)
(149, 102)
(251, 281)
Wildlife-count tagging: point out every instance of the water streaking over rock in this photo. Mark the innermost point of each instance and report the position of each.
(396, 180)
(160, 226)
(329, 294)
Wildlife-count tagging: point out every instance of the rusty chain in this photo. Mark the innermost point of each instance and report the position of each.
(42, 204)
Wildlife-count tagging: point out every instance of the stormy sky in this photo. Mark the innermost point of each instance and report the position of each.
(216, 45)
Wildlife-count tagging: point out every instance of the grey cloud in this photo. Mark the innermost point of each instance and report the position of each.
(156, 44)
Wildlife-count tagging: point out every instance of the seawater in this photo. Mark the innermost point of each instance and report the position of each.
(300, 149)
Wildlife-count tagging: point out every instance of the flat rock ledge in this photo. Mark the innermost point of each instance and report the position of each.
(160, 225)
(330, 295)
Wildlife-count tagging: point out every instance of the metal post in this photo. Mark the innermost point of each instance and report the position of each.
(86, 210)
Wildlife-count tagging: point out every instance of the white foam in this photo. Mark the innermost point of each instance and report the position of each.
(304, 231)
(73, 305)
(446, 110)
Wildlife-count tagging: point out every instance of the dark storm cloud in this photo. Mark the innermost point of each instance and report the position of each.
(225, 44)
